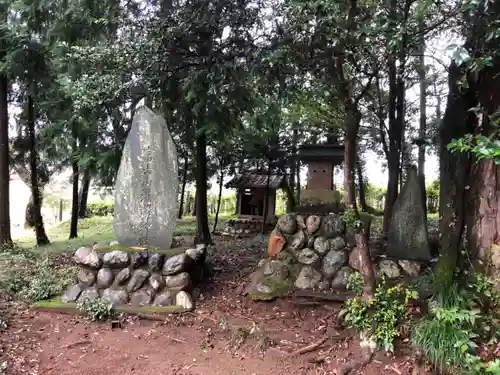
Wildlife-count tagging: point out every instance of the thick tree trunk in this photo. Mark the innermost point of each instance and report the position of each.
(5, 235)
(73, 228)
(298, 186)
(361, 187)
(394, 146)
(202, 230)
(422, 131)
(84, 193)
(221, 181)
(360, 236)
(41, 236)
(266, 197)
(183, 188)
(454, 170)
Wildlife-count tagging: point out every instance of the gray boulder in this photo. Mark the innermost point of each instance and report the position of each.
(337, 243)
(115, 297)
(341, 278)
(179, 282)
(332, 262)
(72, 293)
(138, 259)
(308, 257)
(313, 223)
(142, 297)
(155, 262)
(87, 257)
(198, 254)
(104, 278)
(86, 277)
(122, 277)
(177, 263)
(333, 226)
(389, 268)
(165, 298)
(156, 281)
(308, 278)
(321, 244)
(116, 259)
(411, 268)
(287, 224)
(137, 280)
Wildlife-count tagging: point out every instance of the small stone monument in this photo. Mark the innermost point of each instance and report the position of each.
(147, 184)
(407, 235)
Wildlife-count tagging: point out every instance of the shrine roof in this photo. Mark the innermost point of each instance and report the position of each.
(257, 180)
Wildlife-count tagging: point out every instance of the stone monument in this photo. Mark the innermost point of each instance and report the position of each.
(147, 184)
(407, 234)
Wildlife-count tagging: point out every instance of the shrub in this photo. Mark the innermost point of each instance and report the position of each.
(100, 209)
(380, 317)
(96, 309)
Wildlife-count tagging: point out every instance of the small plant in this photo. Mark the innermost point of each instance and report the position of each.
(96, 309)
(380, 317)
(352, 219)
(355, 282)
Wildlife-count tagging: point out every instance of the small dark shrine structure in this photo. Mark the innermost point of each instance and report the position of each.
(320, 193)
(251, 192)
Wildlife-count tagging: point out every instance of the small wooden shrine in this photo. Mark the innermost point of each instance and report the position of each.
(321, 159)
(251, 192)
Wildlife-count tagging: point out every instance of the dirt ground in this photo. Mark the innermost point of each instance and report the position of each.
(227, 334)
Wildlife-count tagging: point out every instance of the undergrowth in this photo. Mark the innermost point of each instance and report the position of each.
(379, 318)
(96, 309)
(461, 318)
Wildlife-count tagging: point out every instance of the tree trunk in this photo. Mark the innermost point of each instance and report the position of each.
(202, 230)
(266, 197)
(454, 170)
(5, 235)
(73, 228)
(41, 236)
(298, 186)
(422, 131)
(194, 210)
(84, 193)
(361, 187)
(394, 149)
(291, 202)
(360, 236)
(183, 188)
(221, 181)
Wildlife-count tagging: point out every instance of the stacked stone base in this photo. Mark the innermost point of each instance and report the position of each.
(316, 253)
(137, 277)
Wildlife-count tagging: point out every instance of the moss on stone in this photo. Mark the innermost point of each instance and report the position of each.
(108, 248)
(278, 287)
(57, 305)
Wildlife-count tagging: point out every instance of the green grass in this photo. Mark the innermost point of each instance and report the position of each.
(97, 229)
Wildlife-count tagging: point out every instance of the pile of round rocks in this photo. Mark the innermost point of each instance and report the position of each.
(247, 226)
(314, 253)
(136, 277)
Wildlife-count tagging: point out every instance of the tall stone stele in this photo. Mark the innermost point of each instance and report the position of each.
(407, 235)
(147, 184)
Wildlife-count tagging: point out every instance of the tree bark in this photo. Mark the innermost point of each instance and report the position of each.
(41, 236)
(84, 193)
(221, 181)
(422, 131)
(5, 235)
(454, 170)
(73, 228)
(195, 200)
(183, 188)
(361, 187)
(266, 197)
(202, 229)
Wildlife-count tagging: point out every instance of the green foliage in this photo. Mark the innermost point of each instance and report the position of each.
(380, 317)
(449, 335)
(484, 147)
(352, 220)
(100, 209)
(48, 282)
(96, 309)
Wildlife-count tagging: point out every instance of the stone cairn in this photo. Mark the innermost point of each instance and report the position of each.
(240, 227)
(137, 277)
(316, 253)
